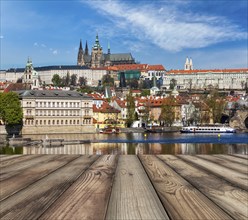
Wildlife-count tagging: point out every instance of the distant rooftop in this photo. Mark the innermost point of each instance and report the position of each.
(43, 68)
(52, 94)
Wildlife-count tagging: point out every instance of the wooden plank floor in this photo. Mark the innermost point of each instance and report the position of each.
(124, 187)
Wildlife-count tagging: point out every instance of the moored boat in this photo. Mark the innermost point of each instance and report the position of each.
(207, 129)
(110, 130)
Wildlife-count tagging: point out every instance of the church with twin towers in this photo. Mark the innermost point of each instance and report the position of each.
(96, 58)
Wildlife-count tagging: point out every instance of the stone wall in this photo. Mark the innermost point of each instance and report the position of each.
(2, 129)
(238, 120)
(58, 129)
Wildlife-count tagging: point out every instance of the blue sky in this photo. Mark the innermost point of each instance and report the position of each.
(212, 32)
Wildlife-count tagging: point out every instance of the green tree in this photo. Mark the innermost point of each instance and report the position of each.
(107, 80)
(73, 80)
(66, 79)
(10, 108)
(173, 83)
(82, 81)
(145, 92)
(56, 80)
(216, 105)
(130, 109)
(167, 115)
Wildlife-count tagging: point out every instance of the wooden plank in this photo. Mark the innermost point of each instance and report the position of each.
(88, 197)
(245, 156)
(31, 202)
(11, 185)
(234, 159)
(180, 199)
(14, 160)
(234, 177)
(17, 168)
(5, 157)
(133, 196)
(225, 162)
(230, 198)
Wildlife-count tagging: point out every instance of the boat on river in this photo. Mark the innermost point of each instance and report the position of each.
(110, 130)
(207, 129)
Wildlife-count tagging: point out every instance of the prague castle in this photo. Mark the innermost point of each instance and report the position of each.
(99, 59)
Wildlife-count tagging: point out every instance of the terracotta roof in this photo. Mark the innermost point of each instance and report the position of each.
(156, 67)
(105, 108)
(16, 87)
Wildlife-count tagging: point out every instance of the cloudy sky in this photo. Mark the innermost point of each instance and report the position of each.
(213, 33)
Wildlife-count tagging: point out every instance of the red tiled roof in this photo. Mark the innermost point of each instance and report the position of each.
(105, 108)
(156, 67)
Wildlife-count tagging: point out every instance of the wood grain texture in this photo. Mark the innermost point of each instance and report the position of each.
(133, 196)
(225, 162)
(88, 197)
(231, 199)
(180, 199)
(31, 202)
(28, 176)
(239, 160)
(15, 160)
(16, 168)
(245, 156)
(234, 177)
(4, 157)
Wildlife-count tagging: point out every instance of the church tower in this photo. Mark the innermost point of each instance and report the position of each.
(80, 59)
(96, 54)
(188, 64)
(27, 77)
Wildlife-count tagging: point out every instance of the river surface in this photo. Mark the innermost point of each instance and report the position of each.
(138, 143)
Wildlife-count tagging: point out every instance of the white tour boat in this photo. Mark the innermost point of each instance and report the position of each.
(207, 129)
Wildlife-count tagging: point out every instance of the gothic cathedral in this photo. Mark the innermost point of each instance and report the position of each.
(98, 59)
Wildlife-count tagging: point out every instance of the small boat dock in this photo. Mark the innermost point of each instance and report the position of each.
(123, 187)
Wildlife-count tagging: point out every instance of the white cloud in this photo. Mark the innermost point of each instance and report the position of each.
(43, 45)
(36, 44)
(1, 36)
(167, 26)
(55, 52)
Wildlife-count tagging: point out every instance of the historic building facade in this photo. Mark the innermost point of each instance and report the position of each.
(44, 74)
(99, 59)
(230, 79)
(46, 112)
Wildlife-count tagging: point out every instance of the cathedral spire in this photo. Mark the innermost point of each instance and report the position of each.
(80, 61)
(80, 45)
(108, 48)
(86, 49)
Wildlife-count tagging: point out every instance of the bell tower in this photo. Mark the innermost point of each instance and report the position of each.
(96, 54)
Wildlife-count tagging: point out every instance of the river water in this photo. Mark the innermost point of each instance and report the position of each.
(138, 143)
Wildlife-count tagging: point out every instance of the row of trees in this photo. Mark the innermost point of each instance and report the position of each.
(68, 80)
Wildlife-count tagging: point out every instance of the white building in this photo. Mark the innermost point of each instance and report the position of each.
(204, 79)
(46, 111)
(46, 73)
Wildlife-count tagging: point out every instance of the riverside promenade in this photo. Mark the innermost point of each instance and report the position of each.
(123, 187)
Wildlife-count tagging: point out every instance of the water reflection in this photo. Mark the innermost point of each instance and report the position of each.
(130, 148)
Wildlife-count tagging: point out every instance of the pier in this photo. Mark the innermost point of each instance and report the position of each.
(124, 187)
